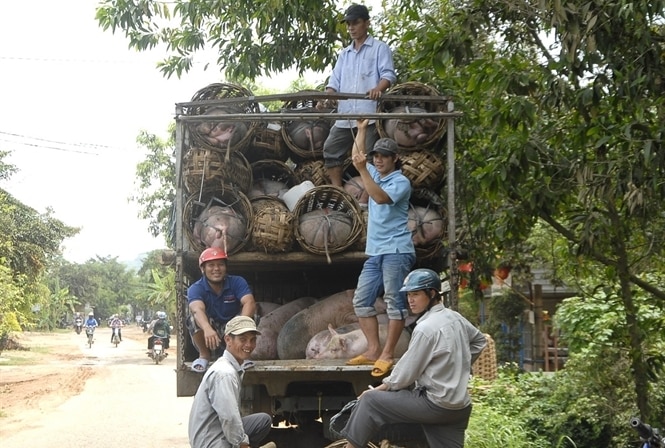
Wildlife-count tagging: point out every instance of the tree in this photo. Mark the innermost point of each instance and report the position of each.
(253, 37)
(156, 183)
(28, 242)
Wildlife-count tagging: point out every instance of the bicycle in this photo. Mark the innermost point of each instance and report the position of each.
(649, 437)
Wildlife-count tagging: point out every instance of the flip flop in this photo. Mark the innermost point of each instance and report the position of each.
(381, 367)
(200, 365)
(360, 360)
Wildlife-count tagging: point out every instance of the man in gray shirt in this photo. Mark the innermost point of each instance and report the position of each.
(437, 363)
(215, 420)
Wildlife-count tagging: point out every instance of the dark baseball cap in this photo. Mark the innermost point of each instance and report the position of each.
(354, 12)
(385, 146)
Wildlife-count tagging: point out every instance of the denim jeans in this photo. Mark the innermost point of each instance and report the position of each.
(383, 274)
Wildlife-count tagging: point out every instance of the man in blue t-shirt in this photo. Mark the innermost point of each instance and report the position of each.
(213, 300)
(389, 247)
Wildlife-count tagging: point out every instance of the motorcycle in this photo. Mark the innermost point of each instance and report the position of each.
(158, 354)
(115, 339)
(90, 332)
(78, 325)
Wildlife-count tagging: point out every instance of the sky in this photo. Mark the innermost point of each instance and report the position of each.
(73, 99)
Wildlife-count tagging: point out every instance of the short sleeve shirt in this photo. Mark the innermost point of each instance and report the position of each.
(225, 306)
(387, 224)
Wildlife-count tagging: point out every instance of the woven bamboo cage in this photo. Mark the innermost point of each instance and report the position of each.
(270, 177)
(267, 143)
(230, 225)
(272, 228)
(486, 366)
(427, 214)
(328, 221)
(205, 168)
(404, 130)
(313, 171)
(304, 138)
(218, 134)
(424, 169)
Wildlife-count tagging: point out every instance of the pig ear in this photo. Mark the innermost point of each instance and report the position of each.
(332, 330)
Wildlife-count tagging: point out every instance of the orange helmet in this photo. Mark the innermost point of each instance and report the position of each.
(212, 253)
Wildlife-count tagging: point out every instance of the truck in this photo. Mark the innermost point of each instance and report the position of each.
(303, 390)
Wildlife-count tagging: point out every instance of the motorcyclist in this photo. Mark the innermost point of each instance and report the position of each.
(116, 323)
(159, 328)
(78, 321)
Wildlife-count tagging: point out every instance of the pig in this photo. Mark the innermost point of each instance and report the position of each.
(308, 135)
(267, 187)
(325, 229)
(271, 324)
(221, 227)
(356, 188)
(336, 309)
(222, 134)
(426, 225)
(264, 308)
(348, 341)
(409, 133)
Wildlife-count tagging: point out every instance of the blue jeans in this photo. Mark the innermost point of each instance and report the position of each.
(383, 274)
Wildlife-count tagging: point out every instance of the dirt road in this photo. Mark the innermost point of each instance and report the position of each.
(61, 393)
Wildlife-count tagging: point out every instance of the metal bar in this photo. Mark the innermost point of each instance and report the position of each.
(314, 96)
(452, 237)
(291, 116)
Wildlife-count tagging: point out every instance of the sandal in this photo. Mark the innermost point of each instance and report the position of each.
(200, 365)
(381, 367)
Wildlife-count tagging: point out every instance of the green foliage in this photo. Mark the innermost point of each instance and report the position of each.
(155, 180)
(253, 37)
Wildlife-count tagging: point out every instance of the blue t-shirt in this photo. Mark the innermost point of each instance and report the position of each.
(225, 306)
(387, 224)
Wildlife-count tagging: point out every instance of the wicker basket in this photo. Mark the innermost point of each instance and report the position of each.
(239, 210)
(398, 129)
(236, 134)
(207, 168)
(302, 148)
(267, 143)
(486, 366)
(424, 169)
(425, 207)
(265, 172)
(272, 229)
(313, 171)
(338, 209)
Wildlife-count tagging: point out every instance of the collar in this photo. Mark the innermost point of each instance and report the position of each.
(369, 42)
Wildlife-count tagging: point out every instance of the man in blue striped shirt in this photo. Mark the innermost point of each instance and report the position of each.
(365, 66)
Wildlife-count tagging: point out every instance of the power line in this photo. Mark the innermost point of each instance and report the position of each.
(49, 144)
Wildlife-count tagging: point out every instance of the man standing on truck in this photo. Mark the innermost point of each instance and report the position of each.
(214, 300)
(215, 419)
(389, 247)
(366, 67)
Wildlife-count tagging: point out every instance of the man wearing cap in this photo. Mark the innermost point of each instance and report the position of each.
(215, 420)
(366, 67)
(213, 301)
(389, 247)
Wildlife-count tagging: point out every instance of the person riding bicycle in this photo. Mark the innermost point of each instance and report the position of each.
(159, 328)
(91, 321)
(116, 323)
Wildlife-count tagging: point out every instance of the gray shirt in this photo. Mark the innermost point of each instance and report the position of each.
(215, 421)
(442, 348)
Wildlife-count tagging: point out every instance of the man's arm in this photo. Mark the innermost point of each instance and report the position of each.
(248, 305)
(360, 163)
(198, 310)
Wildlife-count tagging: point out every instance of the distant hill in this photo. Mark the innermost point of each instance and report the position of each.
(136, 263)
